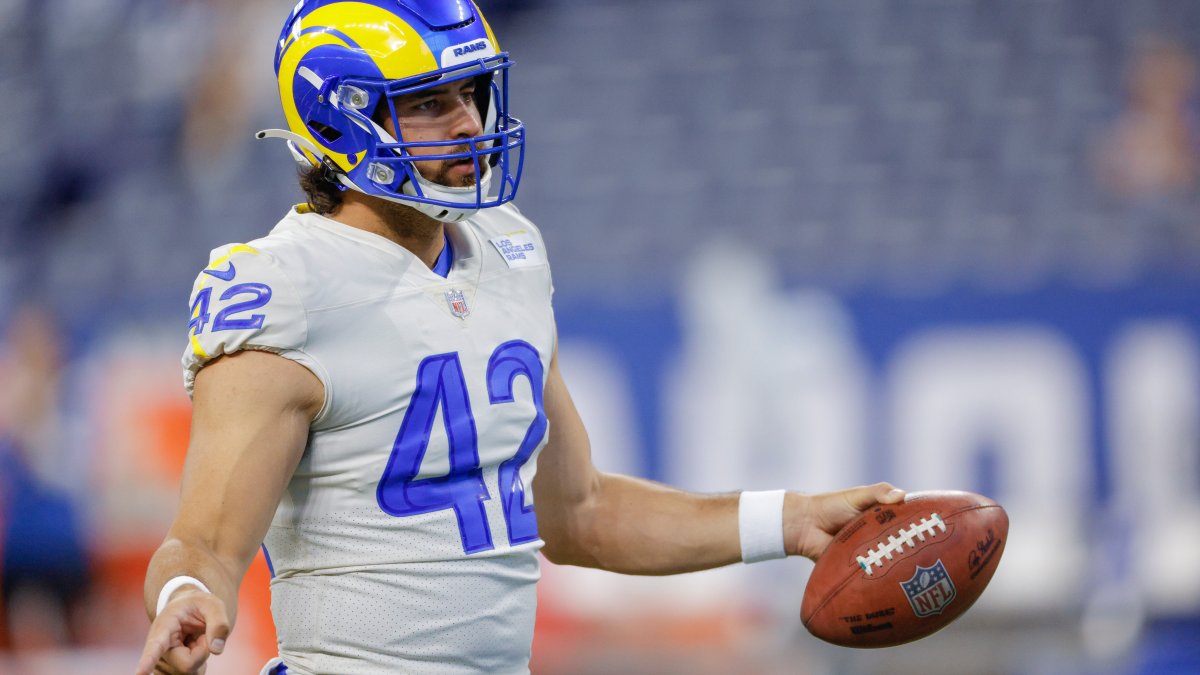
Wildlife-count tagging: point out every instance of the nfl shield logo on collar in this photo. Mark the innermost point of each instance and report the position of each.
(458, 303)
(929, 590)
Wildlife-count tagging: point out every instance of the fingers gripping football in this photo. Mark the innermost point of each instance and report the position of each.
(898, 572)
(190, 628)
(810, 521)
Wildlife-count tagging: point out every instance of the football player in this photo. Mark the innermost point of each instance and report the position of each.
(377, 399)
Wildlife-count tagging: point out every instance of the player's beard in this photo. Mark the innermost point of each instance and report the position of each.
(407, 223)
(442, 175)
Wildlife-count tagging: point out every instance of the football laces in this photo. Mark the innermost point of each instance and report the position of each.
(906, 537)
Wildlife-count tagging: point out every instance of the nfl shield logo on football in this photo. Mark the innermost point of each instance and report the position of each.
(458, 303)
(929, 590)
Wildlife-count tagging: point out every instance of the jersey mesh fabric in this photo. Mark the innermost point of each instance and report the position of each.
(355, 588)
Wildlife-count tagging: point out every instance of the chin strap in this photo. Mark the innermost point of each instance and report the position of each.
(447, 214)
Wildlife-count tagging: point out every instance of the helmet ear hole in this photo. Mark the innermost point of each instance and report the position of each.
(324, 131)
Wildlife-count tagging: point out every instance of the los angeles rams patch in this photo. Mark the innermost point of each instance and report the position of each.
(518, 249)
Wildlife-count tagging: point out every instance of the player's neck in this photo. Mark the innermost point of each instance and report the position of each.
(423, 236)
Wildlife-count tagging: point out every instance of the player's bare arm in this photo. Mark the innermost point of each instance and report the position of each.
(441, 312)
(635, 526)
(250, 420)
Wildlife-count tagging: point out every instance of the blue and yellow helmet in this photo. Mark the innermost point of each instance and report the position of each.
(341, 63)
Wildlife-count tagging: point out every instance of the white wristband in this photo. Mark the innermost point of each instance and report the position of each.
(164, 596)
(760, 523)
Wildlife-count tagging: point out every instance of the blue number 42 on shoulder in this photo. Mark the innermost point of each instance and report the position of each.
(227, 319)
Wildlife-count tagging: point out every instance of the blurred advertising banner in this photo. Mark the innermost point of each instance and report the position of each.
(1077, 409)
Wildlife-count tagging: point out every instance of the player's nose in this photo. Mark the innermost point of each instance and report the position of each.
(466, 121)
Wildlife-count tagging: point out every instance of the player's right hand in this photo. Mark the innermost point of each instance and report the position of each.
(813, 520)
(191, 626)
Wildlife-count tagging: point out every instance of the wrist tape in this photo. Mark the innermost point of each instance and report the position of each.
(164, 596)
(760, 524)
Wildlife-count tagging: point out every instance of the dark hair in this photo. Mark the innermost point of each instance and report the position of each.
(319, 185)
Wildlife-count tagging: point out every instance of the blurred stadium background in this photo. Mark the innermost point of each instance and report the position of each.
(796, 242)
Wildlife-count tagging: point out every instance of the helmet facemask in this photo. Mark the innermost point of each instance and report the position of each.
(343, 66)
(390, 165)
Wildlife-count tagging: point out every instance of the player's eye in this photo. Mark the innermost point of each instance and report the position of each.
(427, 105)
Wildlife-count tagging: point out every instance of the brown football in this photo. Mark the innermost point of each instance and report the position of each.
(899, 572)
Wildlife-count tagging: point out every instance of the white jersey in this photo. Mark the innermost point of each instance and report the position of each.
(406, 541)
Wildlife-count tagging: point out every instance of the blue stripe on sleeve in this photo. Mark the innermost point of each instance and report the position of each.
(270, 567)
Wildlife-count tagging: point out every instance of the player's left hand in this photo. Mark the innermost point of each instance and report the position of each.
(810, 521)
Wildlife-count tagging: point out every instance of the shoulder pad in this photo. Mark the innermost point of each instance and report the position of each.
(242, 300)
